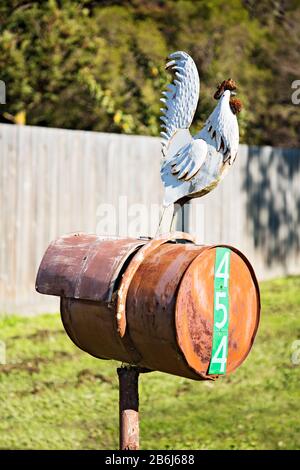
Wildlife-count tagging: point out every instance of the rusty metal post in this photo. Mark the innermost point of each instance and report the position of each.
(129, 407)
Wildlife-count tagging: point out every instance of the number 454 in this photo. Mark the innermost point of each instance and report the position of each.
(221, 306)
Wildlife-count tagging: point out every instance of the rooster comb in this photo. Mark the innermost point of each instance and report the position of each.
(225, 85)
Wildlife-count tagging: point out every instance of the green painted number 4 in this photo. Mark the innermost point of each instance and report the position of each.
(221, 312)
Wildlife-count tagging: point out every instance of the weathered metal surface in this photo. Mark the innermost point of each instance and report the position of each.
(73, 266)
(128, 408)
(167, 305)
(135, 263)
(150, 308)
(194, 313)
(92, 327)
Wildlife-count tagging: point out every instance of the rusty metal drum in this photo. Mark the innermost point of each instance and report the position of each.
(150, 302)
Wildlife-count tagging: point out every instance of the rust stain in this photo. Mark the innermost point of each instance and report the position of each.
(194, 310)
(137, 260)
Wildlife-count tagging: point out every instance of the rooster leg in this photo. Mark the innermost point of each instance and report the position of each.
(175, 220)
(160, 225)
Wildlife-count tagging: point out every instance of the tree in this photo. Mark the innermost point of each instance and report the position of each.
(100, 65)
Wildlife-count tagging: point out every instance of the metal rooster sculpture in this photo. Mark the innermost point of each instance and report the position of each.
(193, 166)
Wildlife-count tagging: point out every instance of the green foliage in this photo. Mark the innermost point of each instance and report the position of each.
(54, 396)
(100, 65)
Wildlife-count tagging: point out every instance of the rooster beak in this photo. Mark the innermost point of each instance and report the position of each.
(232, 93)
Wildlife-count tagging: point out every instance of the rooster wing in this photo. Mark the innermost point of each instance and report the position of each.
(180, 150)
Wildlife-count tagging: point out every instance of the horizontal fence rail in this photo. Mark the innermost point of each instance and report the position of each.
(57, 181)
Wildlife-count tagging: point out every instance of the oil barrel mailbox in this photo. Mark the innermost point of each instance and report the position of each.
(164, 304)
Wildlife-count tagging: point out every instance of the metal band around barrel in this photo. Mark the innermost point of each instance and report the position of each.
(219, 354)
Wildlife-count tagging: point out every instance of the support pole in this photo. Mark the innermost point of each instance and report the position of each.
(129, 407)
(180, 219)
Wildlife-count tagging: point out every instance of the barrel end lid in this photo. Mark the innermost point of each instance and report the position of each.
(195, 311)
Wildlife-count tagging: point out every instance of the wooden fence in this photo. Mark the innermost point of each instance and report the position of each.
(55, 181)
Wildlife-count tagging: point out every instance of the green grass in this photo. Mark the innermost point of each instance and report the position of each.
(53, 396)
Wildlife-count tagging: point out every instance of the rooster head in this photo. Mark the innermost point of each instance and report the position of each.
(235, 104)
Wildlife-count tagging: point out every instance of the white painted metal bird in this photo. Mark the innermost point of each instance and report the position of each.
(193, 166)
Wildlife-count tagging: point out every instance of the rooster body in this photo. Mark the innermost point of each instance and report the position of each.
(193, 166)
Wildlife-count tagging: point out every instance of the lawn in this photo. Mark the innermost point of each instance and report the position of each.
(53, 396)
